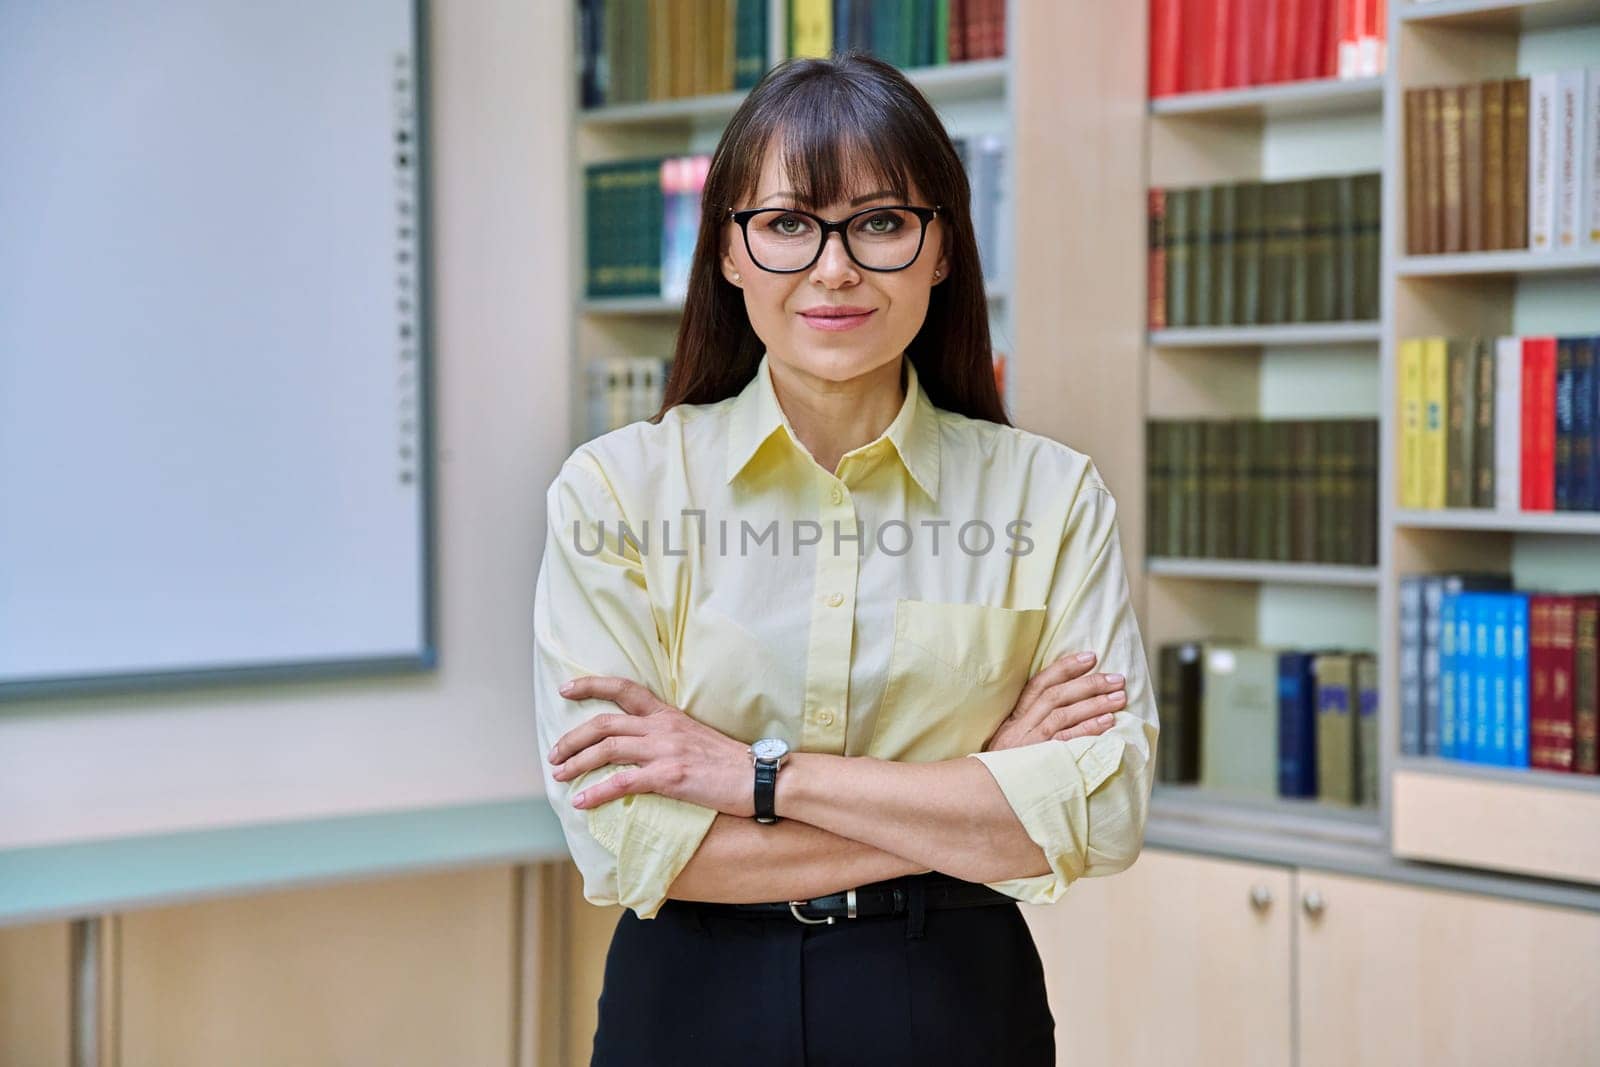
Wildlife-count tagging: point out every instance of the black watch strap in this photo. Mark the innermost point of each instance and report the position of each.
(766, 790)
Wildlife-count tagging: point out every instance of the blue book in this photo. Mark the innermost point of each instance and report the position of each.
(1297, 725)
(1517, 671)
(1499, 605)
(1583, 420)
(1448, 746)
(1463, 672)
(1482, 675)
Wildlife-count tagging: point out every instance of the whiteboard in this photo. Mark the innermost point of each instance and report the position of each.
(214, 403)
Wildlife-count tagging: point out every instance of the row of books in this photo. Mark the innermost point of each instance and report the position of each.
(907, 33)
(636, 50)
(1491, 674)
(1257, 253)
(1512, 163)
(1508, 423)
(642, 218)
(1269, 721)
(623, 390)
(1292, 490)
(1203, 45)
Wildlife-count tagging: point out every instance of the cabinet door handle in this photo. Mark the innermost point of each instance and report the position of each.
(1260, 897)
(1313, 903)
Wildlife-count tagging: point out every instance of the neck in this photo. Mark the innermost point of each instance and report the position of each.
(832, 417)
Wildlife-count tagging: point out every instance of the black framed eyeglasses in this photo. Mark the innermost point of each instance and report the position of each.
(785, 240)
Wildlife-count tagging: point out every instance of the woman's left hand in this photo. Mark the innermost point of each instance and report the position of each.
(676, 756)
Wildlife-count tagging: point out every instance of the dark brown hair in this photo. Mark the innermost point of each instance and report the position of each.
(843, 121)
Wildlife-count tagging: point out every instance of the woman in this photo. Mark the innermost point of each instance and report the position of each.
(831, 541)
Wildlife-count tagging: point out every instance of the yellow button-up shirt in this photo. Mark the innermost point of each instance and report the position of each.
(892, 608)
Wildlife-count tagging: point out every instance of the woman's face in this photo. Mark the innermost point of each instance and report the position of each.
(895, 302)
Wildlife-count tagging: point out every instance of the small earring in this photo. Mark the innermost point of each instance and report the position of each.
(935, 274)
(736, 277)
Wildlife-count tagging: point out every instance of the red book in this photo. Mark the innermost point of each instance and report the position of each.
(1166, 36)
(997, 29)
(1221, 33)
(1337, 18)
(1543, 413)
(1264, 43)
(1289, 12)
(1242, 55)
(1197, 30)
(1550, 704)
(956, 31)
(1308, 48)
(1156, 281)
(1526, 428)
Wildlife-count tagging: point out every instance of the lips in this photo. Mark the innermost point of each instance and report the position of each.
(840, 312)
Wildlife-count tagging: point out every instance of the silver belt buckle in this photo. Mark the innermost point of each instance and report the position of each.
(849, 910)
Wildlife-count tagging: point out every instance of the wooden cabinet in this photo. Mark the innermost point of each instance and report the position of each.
(1402, 975)
(1177, 960)
(1184, 959)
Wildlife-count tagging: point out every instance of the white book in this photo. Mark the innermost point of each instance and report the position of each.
(1541, 156)
(1591, 165)
(1508, 425)
(1569, 157)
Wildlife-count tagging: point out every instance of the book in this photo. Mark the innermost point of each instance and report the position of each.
(1366, 696)
(1239, 719)
(1517, 165)
(1297, 725)
(1567, 164)
(1410, 665)
(1178, 758)
(1542, 147)
(1508, 428)
(1435, 406)
(1336, 729)
(1411, 423)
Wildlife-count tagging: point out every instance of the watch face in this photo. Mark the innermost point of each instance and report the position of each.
(770, 748)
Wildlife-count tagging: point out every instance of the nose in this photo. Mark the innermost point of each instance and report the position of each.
(834, 265)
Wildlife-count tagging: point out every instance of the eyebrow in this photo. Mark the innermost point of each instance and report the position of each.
(857, 202)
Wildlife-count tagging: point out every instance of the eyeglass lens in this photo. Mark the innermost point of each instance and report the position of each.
(881, 240)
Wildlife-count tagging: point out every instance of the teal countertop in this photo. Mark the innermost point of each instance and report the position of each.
(53, 882)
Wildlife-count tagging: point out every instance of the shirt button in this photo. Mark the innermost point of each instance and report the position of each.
(837, 496)
(835, 599)
(825, 717)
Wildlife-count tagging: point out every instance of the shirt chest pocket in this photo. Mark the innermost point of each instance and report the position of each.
(955, 671)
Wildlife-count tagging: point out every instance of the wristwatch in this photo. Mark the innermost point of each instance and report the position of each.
(768, 754)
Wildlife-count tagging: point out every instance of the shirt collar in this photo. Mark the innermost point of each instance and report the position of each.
(757, 415)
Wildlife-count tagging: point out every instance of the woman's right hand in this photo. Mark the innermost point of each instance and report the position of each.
(1063, 700)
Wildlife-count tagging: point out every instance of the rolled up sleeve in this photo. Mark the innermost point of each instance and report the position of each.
(593, 615)
(1083, 801)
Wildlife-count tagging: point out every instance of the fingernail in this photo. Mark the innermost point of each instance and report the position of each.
(566, 688)
(552, 756)
(1116, 698)
(577, 801)
(1084, 657)
(1106, 720)
(1113, 679)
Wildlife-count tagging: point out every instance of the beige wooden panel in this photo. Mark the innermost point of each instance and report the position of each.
(1398, 975)
(1169, 963)
(1507, 826)
(414, 971)
(588, 932)
(34, 995)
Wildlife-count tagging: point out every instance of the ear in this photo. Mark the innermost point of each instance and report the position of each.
(943, 267)
(730, 270)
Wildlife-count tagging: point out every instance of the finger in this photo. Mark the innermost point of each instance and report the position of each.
(607, 750)
(626, 693)
(1087, 729)
(632, 780)
(587, 733)
(1065, 666)
(1082, 688)
(1085, 711)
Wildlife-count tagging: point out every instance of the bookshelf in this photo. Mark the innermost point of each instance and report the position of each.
(1522, 821)
(972, 97)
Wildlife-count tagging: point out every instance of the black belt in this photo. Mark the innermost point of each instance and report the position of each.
(875, 900)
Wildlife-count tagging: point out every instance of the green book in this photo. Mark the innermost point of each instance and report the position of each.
(1245, 432)
(1305, 486)
(750, 43)
(1483, 428)
(1296, 214)
(1284, 464)
(1366, 508)
(1321, 269)
(1325, 536)
(1176, 242)
(1336, 728)
(1158, 478)
(1248, 220)
(1461, 371)
(1368, 200)
(1275, 254)
(1239, 718)
(1224, 224)
(1194, 515)
(1366, 761)
(1201, 264)
(1344, 248)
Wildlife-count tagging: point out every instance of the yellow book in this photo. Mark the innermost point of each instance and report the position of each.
(1411, 423)
(1435, 406)
(811, 28)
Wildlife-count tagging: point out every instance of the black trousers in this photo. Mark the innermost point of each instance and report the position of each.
(692, 988)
